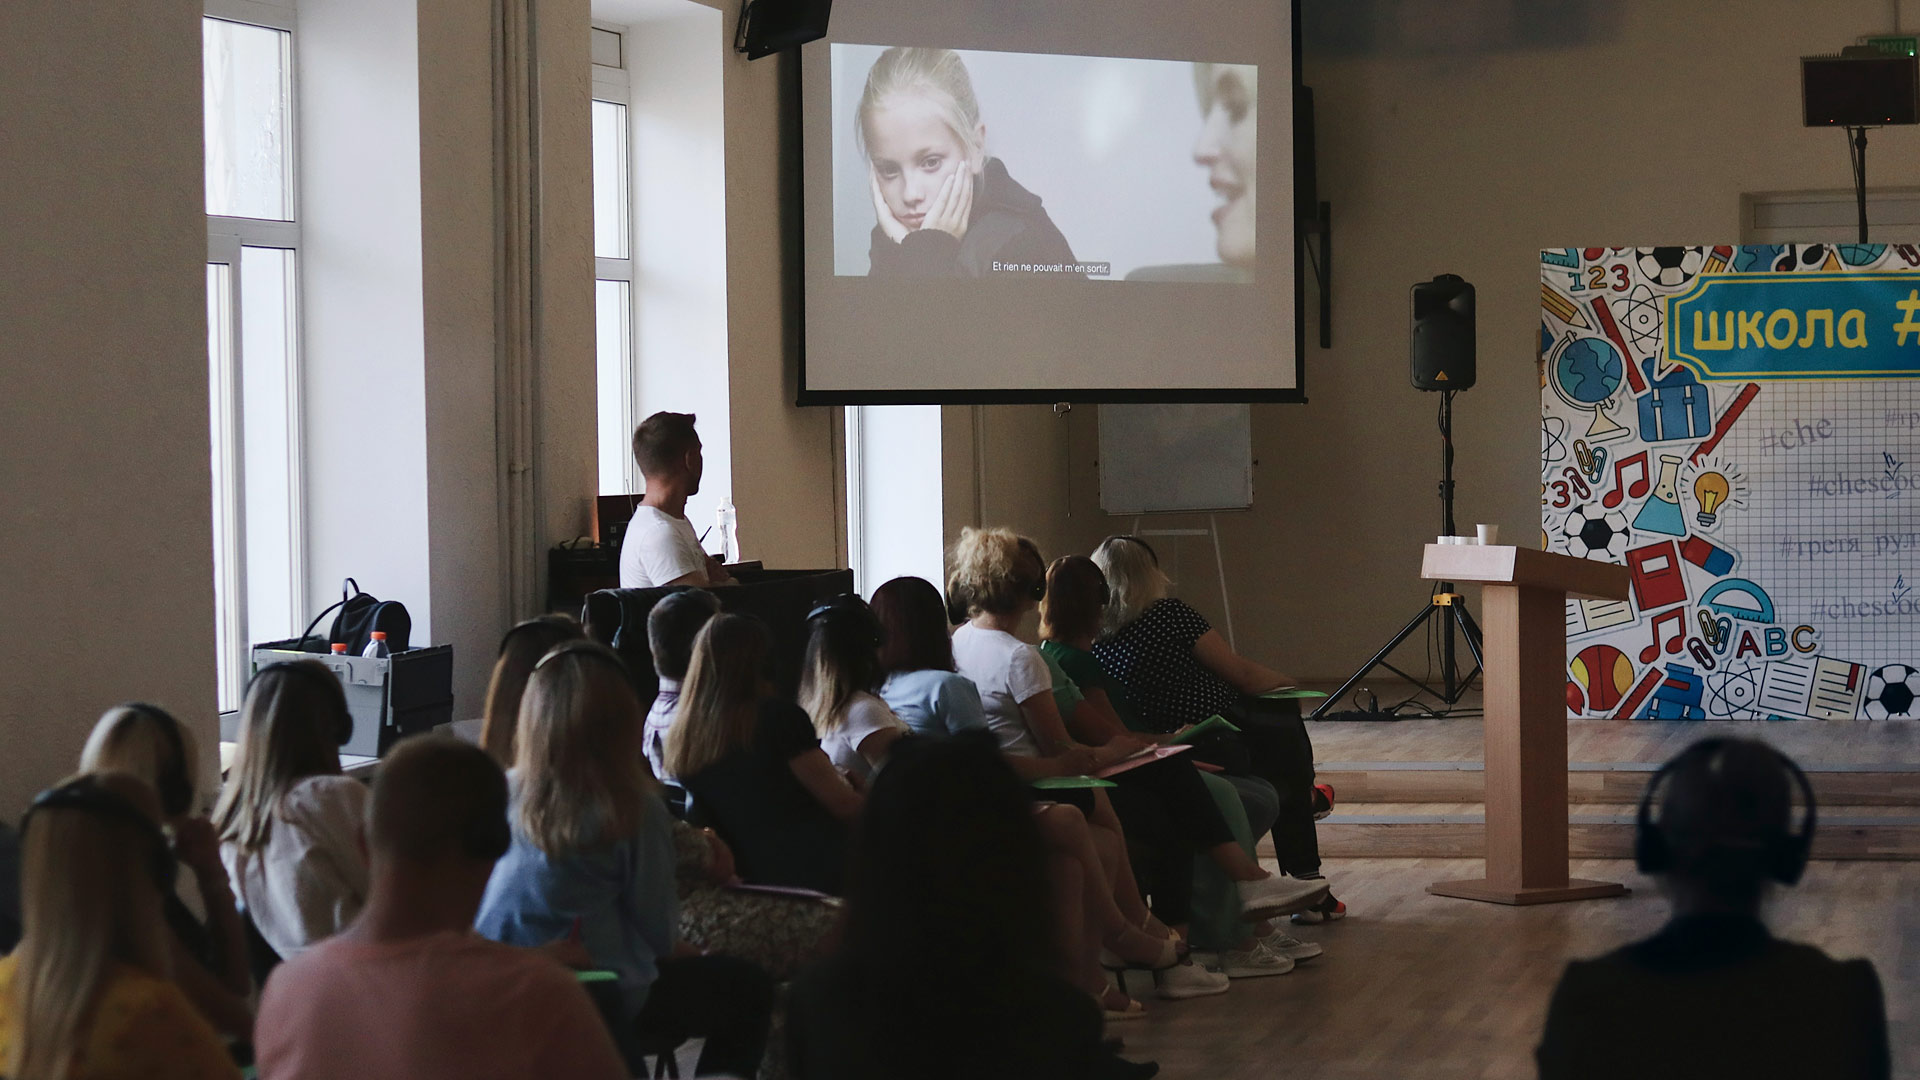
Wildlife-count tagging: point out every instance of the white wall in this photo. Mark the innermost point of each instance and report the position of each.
(364, 354)
(894, 494)
(676, 110)
(106, 548)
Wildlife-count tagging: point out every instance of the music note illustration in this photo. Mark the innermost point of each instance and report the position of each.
(1621, 490)
(1678, 617)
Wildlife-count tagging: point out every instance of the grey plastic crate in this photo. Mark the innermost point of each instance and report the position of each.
(407, 693)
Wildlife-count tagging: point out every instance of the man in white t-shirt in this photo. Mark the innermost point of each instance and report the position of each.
(661, 547)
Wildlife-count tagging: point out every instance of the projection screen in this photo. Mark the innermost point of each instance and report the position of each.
(1050, 200)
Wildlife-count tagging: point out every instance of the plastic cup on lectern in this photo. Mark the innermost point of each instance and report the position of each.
(1487, 534)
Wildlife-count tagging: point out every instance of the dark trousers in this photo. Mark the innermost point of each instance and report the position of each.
(1169, 818)
(1280, 752)
(723, 999)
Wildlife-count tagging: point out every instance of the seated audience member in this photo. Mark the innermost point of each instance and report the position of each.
(997, 579)
(672, 626)
(944, 970)
(837, 683)
(1069, 623)
(754, 767)
(661, 547)
(921, 685)
(289, 821)
(520, 649)
(409, 991)
(592, 859)
(1179, 671)
(87, 994)
(210, 963)
(1713, 994)
(1095, 904)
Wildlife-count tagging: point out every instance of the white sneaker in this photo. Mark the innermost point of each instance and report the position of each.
(1250, 963)
(1190, 981)
(1281, 943)
(1279, 895)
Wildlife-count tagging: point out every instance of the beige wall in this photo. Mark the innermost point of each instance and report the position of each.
(106, 567)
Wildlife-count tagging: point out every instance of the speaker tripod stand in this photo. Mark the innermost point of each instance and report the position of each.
(1449, 607)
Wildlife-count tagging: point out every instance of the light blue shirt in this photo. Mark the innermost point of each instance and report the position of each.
(935, 702)
(622, 895)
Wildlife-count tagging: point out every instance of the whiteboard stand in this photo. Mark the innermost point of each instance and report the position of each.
(1211, 532)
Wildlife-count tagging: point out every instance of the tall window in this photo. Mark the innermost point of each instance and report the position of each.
(613, 251)
(253, 240)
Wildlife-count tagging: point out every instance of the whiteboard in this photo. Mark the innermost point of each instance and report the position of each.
(1157, 459)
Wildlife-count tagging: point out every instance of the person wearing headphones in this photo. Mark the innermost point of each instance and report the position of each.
(409, 991)
(210, 961)
(837, 683)
(1713, 994)
(87, 995)
(289, 821)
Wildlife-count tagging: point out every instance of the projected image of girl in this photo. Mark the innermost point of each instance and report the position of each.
(1226, 149)
(945, 207)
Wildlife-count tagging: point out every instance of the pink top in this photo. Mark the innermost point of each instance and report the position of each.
(451, 1005)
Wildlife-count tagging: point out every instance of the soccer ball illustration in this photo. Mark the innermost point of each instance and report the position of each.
(1670, 267)
(1892, 691)
(1602, 537)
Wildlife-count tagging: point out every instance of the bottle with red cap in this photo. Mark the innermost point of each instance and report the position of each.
(377, 645)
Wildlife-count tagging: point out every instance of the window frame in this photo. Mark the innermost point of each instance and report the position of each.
(613, 84)
(227, 239)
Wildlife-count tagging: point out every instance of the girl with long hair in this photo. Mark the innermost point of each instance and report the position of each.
(944, 206)
(520, 649)
(289, 822)
(210, 961)
(592, 859)
(754, 766)
(837, 683)
(1179, 671)
(89, 994)
(948, 877)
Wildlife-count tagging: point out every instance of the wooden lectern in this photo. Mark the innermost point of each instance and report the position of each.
(1523, 616)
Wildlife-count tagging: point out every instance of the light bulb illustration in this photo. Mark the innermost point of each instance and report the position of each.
(1711, 489)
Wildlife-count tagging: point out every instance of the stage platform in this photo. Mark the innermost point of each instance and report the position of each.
(1413, 788)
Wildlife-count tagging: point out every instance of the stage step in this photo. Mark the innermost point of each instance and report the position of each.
(1356, 782)
(1458, 831)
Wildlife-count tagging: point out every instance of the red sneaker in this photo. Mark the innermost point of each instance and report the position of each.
(1326, 911)
(1322, 800)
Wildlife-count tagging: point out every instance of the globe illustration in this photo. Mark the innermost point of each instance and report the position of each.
(1588, 371)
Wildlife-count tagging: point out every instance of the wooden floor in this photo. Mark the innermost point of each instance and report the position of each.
(1420, 986)
(1861, 743)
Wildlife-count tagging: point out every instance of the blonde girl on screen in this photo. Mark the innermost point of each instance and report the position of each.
(944, 206)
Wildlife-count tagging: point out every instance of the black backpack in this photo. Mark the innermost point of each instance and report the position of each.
(361, 613)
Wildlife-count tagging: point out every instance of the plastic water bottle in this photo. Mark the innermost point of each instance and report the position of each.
(727, 521)
(377, 645)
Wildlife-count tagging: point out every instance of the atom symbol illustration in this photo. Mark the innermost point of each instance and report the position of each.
(1643, 319)
(1732, 692)
(1553, 435)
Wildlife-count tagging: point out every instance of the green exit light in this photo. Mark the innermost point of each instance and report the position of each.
(1896, 46)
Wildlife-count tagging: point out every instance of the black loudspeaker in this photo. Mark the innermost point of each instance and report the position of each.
(770, 26)
(1443, 341)
(1861, 88)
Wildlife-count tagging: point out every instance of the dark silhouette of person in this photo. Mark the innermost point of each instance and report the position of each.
(1713, 994)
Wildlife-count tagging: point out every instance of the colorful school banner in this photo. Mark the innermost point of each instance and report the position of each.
(1740, 428)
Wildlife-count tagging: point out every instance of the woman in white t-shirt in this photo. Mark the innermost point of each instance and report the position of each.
(289, 822)
(998, 578)
(837, 680)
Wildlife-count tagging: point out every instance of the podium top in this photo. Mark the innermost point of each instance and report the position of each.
(1525, 567)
